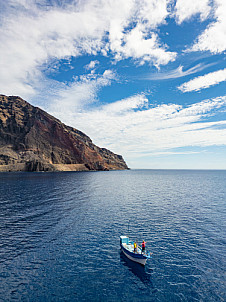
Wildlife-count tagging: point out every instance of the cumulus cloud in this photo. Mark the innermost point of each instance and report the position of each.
(137, 45)
(184, 9)
(34, 33)
(202, 82)
(213, 38)
(92, 64)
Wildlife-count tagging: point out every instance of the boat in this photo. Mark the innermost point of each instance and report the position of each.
(127, 247)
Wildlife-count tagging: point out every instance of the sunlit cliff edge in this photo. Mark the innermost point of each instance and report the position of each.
(33, 140)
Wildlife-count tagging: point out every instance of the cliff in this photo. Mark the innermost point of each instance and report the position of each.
(33, 140)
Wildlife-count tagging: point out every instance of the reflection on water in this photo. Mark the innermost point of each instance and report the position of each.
(59, 236)
(140, 271)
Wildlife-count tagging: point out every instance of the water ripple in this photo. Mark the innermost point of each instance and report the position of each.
(59, 236)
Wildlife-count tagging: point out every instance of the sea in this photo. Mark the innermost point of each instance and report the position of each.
(59, 235)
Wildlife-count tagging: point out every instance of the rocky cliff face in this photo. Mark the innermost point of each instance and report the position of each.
(33, 140)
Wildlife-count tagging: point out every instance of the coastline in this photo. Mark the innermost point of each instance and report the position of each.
(23, 167)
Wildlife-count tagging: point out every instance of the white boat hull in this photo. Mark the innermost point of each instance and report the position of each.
(141, 261)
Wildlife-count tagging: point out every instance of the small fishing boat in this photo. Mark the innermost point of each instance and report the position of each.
(127, 247)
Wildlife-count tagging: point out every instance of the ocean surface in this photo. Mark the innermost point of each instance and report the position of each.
(59, 235)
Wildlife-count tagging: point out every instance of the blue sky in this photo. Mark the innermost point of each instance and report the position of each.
(145, 79)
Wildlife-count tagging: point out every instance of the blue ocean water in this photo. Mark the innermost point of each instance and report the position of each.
(59, 235)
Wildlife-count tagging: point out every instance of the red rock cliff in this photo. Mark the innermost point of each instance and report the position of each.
(33, 140)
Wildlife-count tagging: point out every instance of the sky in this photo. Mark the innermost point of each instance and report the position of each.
(145, 79)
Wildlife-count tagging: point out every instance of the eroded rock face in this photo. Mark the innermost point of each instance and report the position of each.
(31, 136)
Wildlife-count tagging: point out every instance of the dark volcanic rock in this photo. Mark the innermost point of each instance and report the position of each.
(30, 136)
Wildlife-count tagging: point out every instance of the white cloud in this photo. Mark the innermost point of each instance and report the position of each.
(77, 95)
(92, 64)
(34, 34)
(213, 38)
(184, 9)
(152, 13)
(132, 127)
(109, 74)
(125, 105)
(202, 82)
(177, 73)
(137, 45)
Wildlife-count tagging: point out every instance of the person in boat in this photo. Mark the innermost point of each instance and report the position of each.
(135, 247)
(143, 246)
